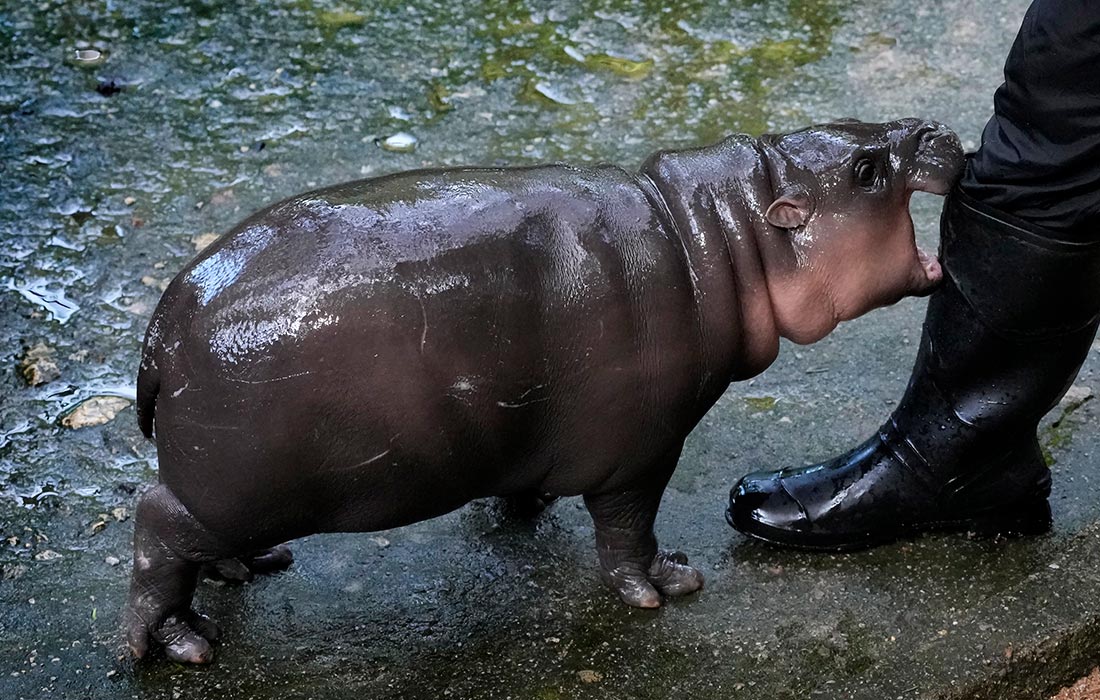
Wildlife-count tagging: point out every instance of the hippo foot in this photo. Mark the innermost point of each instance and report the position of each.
(244, 568)
(185, 636)
(170, 547)
(668, 576)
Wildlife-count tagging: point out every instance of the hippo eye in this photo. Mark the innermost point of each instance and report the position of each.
(865, 172)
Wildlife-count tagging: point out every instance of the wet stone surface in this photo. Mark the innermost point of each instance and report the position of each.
(133, 132)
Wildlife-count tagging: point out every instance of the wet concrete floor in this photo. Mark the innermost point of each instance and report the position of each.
(133, 131)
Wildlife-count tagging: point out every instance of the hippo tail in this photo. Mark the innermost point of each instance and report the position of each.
(148, 379)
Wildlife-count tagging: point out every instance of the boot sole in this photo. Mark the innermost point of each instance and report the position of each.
(1027, 519)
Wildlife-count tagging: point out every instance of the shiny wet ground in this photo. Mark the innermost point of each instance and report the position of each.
(133, 131)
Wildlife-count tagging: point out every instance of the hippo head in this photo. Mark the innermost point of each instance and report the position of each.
(843, 236)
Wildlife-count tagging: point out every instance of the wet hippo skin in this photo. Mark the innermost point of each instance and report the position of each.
(383, 351)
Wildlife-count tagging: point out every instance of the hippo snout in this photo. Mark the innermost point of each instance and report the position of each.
(938, 158)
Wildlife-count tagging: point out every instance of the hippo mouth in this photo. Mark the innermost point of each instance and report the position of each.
(927, 270)
(940, 160)
(933, 271)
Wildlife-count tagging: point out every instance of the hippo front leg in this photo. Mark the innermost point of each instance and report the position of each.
(630, 563)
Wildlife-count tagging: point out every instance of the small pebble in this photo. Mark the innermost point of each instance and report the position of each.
(109, 87)
(95, 411)
(401, 142)
(203, 240)
(112, 560)
(88, 57)
(160, 283)
(38, 366)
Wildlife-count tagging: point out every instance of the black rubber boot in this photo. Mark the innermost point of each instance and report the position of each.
(1004, 337)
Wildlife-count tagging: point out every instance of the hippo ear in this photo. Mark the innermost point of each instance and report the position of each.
(789, 210)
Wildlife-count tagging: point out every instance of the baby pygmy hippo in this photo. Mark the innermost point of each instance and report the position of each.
(384, 351)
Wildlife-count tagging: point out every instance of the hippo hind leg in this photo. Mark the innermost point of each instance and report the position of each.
(170, 546)
(244, 568)
(528, 504)
(630, 562)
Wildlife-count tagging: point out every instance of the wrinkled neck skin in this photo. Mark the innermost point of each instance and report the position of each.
(716, 198)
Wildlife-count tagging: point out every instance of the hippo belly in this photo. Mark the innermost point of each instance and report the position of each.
(383, 352)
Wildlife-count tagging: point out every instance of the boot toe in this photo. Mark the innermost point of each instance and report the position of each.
(856, 500)
(760, 506)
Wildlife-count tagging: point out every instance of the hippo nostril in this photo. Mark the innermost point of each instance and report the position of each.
(941, 135)
(922, 131)
(930, 133)
(938, 158)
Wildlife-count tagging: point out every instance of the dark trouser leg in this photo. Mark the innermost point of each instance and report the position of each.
(1003, 338)
(1040, 154)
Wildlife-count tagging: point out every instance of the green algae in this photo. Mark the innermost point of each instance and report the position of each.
(439, 98)
(620, 65)
(1058, 435)
(759, 404)
(726, 83)
(340, 19)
